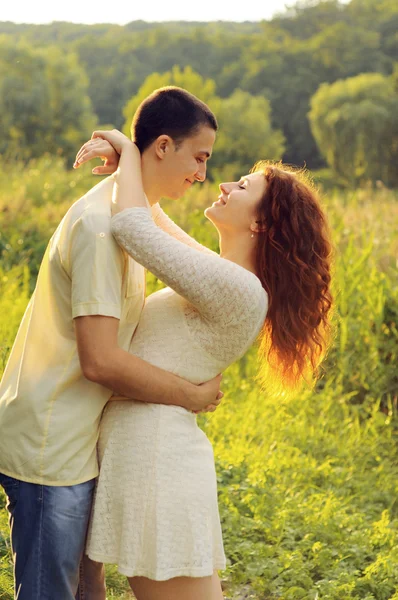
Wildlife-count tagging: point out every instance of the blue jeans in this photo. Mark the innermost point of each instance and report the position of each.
(48, 532)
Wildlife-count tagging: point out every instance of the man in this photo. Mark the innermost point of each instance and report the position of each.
(70, 354)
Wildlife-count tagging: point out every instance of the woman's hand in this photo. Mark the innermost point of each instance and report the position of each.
(116, 138)
(98, 148)
(107, 145)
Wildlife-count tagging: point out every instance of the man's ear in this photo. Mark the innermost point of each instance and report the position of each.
(163, 145)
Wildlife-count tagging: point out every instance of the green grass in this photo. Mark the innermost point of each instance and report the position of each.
(308, 485)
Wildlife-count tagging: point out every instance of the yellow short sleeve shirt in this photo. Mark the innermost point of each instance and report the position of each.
(49, 412)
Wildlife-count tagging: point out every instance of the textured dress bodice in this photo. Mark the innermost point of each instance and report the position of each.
(210, 313)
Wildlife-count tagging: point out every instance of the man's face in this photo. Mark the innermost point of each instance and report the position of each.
(182, 167)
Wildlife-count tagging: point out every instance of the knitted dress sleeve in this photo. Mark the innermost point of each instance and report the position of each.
(220, 290)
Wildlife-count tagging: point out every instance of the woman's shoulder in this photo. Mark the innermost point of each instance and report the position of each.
(243, 295)
(245, 277)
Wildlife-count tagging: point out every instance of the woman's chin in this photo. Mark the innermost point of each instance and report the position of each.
(213, 207)
(209, 212)
(211, 215)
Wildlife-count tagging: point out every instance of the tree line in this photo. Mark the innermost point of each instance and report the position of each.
(315, 85)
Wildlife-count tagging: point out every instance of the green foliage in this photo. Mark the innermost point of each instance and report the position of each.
(245, 135)
(355, 124)
(33, 199)
(307, 18)
(366, 291)
(43, 101)
(284, 60)
(14, 298)
(70, 112)
(307, 495)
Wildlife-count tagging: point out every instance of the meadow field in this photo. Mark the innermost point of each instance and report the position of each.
(308, 485)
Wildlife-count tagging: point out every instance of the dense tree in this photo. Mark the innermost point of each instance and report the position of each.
(355, 122)
(307, 18)
(71, 115)
(284, 59)
(43, 101)
(245, 136)
(289, 74)
(24, 100)
(115, 72)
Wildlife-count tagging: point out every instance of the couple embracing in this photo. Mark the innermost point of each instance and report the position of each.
(101, 457)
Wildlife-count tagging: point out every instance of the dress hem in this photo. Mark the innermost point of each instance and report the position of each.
(206, 571)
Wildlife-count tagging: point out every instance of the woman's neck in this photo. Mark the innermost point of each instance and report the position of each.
(240, 249)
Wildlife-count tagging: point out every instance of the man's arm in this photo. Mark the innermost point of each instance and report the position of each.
(104, 362)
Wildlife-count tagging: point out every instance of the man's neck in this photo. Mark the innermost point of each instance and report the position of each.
(149, 180)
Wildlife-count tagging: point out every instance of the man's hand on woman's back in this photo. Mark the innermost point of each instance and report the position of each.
(209, 395)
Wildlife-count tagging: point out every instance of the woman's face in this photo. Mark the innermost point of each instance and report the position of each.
(237, 206)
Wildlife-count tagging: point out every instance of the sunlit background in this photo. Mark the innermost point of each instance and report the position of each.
(307, 485)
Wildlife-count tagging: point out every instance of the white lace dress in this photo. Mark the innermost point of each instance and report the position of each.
(155, 512)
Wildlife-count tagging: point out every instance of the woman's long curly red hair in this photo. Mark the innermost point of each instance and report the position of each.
(293, 258)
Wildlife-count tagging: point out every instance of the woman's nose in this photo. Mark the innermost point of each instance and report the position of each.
(224, 188)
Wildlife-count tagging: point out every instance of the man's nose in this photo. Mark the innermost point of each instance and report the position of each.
(201, 173)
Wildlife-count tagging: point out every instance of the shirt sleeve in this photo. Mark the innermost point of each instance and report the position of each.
(96, 265)
(164, 222)
(220, 289)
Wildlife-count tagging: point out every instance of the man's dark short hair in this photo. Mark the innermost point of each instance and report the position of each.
(170, 111)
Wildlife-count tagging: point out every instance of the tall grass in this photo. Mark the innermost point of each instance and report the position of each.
(307, 486)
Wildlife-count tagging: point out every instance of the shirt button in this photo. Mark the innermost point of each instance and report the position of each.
(102, 234)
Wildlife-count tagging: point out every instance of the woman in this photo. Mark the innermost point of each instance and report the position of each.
(155, 511)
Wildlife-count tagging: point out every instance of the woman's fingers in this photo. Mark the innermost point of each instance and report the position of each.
(90, 145)
(98, 149)
(87, 155)
(79, 154)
